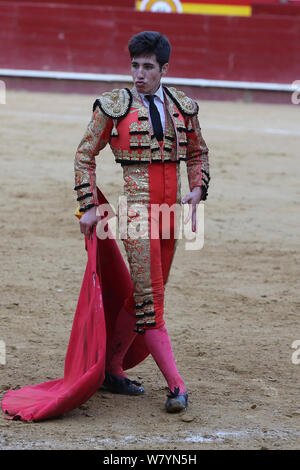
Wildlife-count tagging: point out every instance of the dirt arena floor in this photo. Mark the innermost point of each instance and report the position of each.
(232, 308)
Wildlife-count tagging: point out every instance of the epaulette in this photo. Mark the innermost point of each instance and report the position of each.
(185, 104)
(115, 104)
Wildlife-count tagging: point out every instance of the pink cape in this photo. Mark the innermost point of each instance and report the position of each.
(106, 285)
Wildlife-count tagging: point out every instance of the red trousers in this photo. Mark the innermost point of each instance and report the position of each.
(153, 204)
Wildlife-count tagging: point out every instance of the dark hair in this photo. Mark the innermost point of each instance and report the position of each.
(148, 43)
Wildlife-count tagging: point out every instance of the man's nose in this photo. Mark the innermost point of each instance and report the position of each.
(140, 72)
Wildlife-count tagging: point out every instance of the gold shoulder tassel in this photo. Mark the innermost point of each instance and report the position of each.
(114, 131)
(190, 125)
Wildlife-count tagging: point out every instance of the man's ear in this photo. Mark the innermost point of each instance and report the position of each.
(164, 69)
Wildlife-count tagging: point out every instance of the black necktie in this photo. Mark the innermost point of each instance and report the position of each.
(155, 118)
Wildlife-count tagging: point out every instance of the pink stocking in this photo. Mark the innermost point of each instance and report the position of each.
(123, 337)
(159, 345)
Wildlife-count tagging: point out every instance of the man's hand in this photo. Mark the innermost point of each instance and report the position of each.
(87, 221)
(193, 198)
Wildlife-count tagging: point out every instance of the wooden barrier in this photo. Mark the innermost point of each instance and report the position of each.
(74, 38)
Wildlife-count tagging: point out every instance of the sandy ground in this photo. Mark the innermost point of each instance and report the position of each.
(232, 307)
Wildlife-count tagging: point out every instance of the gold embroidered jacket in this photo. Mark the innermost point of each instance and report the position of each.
(121, 119)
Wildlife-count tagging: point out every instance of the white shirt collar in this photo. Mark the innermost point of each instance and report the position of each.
(159, 93)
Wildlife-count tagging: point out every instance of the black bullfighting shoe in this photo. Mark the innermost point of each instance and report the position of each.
(116, 384)
(176, 401)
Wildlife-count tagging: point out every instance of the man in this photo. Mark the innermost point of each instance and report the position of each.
(150, 129)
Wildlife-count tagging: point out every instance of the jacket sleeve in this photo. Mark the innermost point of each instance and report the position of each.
(95, 139)
(196, 157)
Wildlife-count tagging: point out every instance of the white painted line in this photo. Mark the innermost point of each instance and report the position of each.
(53, 116)
(94, 77)
(100, 77)
(204, 437)
(255, 130)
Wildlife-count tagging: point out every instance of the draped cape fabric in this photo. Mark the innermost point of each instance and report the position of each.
(106, 285)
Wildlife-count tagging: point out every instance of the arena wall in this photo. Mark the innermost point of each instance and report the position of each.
(74, 38)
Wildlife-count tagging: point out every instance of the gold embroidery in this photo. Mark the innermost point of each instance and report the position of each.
(197, 157)
(143, 113)
(143, 139)
(187, 105)
(132, 155)
(179, 143)
(139, 140)
(136, 180)
(140, 126)
(134, 127)
(167, 147)
(136, 190)
(134, 140)
(115, 103)
(138, 248)
(94, 140)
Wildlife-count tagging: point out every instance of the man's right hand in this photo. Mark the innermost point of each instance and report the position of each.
(87, 221)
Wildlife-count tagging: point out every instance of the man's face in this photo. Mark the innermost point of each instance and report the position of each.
(146, 74)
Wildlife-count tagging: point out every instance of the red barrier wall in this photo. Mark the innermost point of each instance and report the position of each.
(99, 3)
(94, 39)
(278, 9)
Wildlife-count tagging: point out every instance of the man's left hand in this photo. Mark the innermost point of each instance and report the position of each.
(193, 198)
